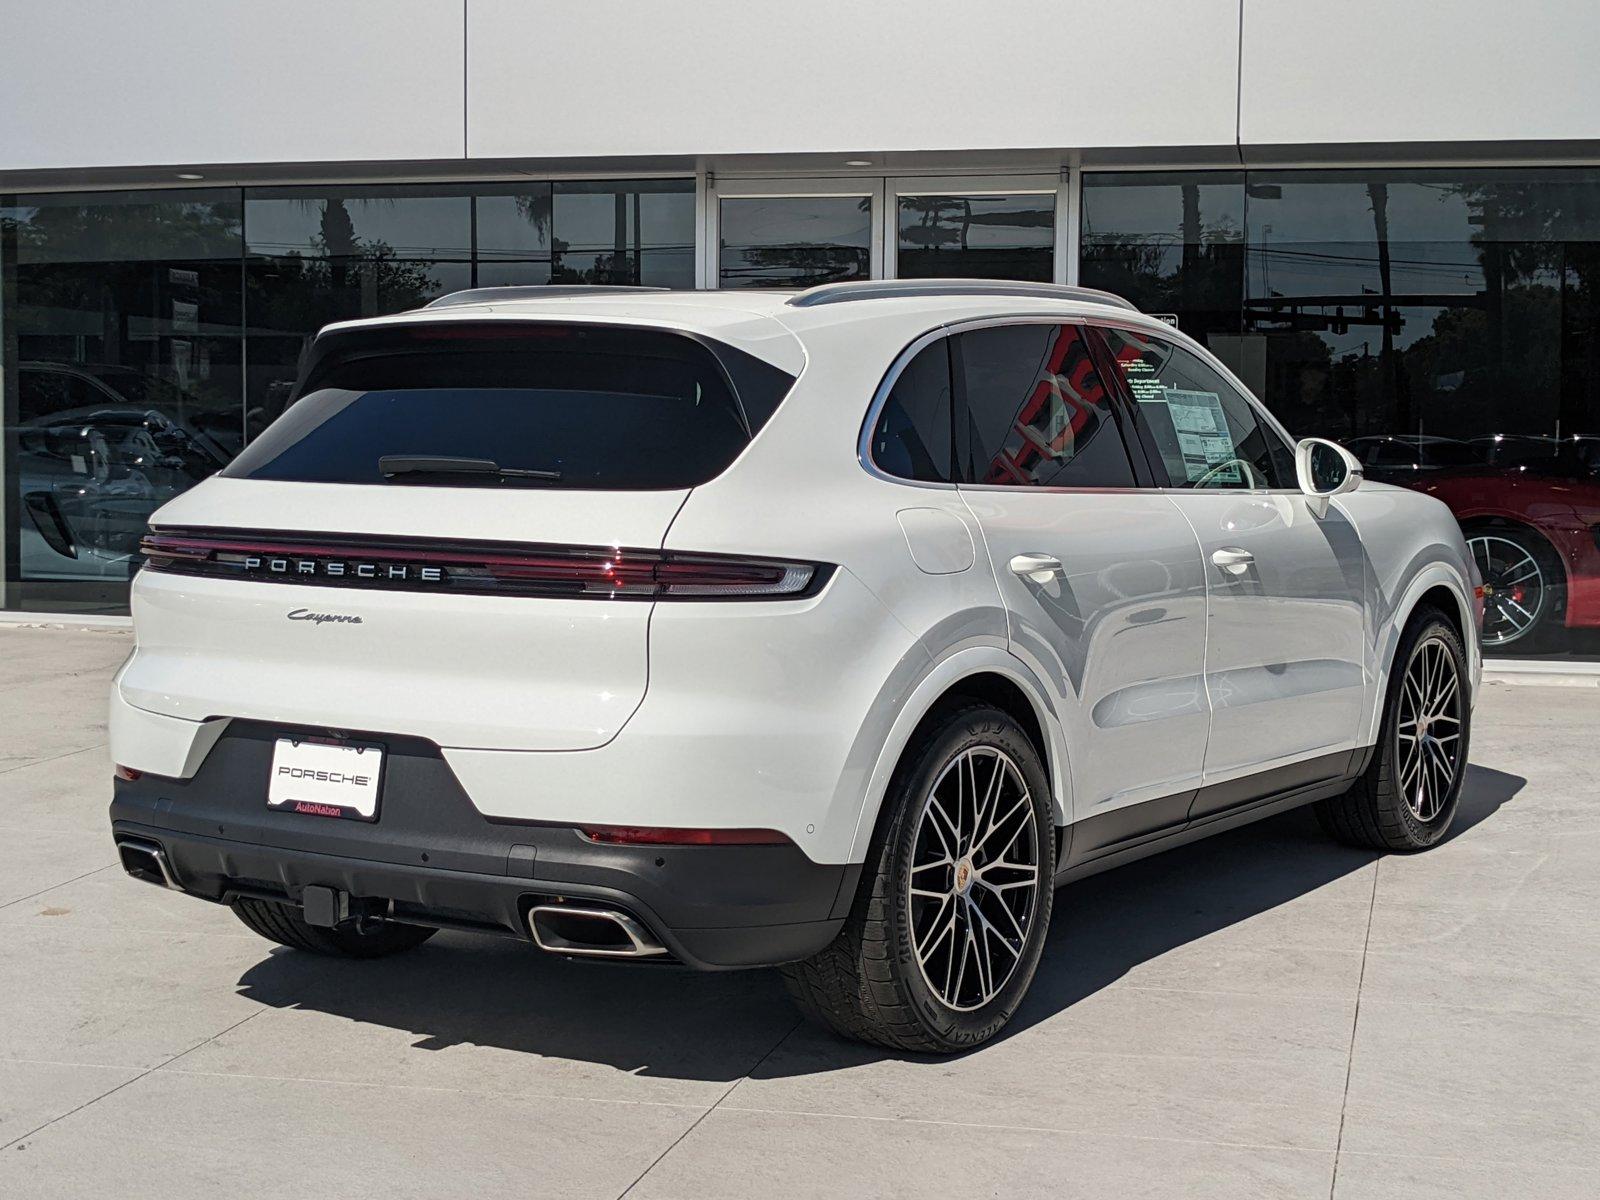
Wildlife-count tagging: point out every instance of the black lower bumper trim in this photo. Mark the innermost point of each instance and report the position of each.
(432, 859)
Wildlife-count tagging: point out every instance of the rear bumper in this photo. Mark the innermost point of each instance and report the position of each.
(431, 858)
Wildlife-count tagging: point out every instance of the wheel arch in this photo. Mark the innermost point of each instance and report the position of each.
(993, 676)
(1437, 586)
(1448, 602)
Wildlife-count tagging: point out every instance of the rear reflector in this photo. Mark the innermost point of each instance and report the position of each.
(127, 773)
(477, 568)
(645, 835)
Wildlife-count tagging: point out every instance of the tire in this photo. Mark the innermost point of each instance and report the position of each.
(1399, 803)
(1525, 587)
(870, 983)
(283, 924)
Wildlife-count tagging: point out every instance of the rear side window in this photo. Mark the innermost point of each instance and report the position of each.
(518, 405)
(912, 437)
(1032, 411)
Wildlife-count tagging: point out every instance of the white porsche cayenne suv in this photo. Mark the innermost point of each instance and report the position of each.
(831, 629)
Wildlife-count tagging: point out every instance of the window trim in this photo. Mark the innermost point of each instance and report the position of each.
(880, 398)
(1145, 480)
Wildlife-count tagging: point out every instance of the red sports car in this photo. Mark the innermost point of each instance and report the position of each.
(1530, 508)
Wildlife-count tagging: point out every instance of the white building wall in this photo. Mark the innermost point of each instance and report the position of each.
(111, 83)
(573, 77)
(1413, 71)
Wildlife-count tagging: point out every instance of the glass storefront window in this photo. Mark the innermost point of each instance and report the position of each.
(1441, 323)
(1171, 243)
(121, 349)
(1442, 317)
(146, 336)
(402, 223)
(513, 224)
(977, 237)
(794, 241)
(639, 233)
(316, 255)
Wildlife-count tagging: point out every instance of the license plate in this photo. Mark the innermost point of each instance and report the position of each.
(325, 779)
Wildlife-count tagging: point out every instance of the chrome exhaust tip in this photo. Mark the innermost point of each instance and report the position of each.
(591, 932)
(147, 861)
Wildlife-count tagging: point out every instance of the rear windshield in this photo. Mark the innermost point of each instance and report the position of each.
(518, 405)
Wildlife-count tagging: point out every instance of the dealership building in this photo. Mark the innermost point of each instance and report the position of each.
(1385, 218)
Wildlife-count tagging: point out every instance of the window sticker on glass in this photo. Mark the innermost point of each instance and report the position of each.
(1202, 435)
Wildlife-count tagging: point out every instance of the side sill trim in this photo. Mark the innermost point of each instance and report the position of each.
(1273, 802)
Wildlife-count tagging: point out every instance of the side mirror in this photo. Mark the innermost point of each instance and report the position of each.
(1325, 469)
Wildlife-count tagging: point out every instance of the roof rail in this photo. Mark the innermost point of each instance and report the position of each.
(534, 291)
(883, 289)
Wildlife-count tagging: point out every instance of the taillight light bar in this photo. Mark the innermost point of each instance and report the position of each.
(650, 835)
(484, 568)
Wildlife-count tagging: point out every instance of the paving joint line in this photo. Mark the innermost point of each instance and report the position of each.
(1053, 1130)
(1355, 1022)
(695, 1124)
(54, 886)
(127, 1082)
(39, 762)
(432, 1089)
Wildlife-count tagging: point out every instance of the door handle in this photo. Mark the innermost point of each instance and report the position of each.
(1233, 559)
(1041, 568)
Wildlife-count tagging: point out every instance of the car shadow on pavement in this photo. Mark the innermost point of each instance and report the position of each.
(1107, 925)
(667, 1022)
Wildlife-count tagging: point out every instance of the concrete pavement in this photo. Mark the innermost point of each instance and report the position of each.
(1264, 1014)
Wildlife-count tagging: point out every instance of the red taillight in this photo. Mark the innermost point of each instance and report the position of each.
(127, 773)
(648, 835)
(484, 568)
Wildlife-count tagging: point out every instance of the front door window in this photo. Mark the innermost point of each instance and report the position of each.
(1206, 434)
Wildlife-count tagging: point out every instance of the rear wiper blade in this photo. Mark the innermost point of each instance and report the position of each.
(391, 465)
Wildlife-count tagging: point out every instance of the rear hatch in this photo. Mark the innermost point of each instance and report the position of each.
(454, 533)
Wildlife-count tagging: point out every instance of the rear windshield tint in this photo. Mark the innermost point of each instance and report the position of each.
(549, 406)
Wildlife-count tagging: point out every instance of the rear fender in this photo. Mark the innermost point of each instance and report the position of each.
(941, 678)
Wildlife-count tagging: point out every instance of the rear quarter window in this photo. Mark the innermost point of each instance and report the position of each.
(546, 405)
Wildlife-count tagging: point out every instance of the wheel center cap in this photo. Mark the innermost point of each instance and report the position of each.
(964, 874)
(1422, 727)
